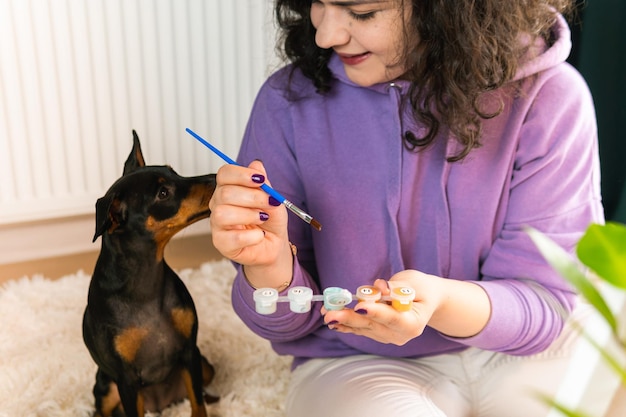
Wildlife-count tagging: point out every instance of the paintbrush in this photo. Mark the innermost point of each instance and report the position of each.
(292, 207)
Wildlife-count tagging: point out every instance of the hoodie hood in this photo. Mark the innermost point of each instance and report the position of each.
(540, 57)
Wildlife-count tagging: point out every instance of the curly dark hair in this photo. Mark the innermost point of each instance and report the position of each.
(467, 48)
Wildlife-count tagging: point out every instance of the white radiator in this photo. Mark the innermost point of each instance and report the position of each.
(76, 76)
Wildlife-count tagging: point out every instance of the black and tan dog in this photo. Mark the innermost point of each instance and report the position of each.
(140, 324)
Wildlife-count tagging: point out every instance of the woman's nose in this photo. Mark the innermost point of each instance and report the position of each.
(331, 30)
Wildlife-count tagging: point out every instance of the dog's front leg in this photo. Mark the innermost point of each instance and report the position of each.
(108, 402)
(132, 400)
(192, 375)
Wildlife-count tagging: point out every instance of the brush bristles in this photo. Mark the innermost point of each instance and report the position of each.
(317, 225)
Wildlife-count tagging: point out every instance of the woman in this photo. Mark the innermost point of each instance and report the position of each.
(424, 136)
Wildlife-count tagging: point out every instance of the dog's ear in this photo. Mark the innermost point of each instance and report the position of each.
(135, 159)
(111, 213)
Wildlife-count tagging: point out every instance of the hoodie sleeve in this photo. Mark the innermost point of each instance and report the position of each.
(283, 325)
(268, 138)
(555, 188)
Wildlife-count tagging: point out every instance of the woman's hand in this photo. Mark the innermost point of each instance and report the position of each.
(249, 227)
(455, 308)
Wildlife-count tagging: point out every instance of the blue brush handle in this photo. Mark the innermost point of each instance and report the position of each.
(225, 157)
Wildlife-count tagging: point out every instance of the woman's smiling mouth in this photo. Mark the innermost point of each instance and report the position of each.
(348, 59)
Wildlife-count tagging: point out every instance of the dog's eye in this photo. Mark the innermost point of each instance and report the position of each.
(163, 193)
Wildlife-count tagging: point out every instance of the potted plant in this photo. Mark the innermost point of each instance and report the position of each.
(600, 264)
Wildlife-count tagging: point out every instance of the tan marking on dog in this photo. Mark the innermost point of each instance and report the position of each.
(128, 342)
(141, 410)
(207, 371)
(183, 319)
(197, 405)
(109, 402)
(197, 201)
(163, 232)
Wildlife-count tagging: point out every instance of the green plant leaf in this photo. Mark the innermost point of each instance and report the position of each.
(565, 411)
(603, 249)
(565, 264)
(611, 360)
(559, 407)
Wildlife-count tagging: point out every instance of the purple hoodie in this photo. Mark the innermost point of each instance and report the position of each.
(384, 209)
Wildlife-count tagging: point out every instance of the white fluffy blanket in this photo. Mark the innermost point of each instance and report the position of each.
(45, 369)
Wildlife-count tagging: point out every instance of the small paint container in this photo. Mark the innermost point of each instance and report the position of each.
(368, 293)
(300, 299)
(402, 298)
(336, 298)
(265, 300)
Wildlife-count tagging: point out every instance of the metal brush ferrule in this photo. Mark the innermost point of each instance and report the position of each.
(298, 211)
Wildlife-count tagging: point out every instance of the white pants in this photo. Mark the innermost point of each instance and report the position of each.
(472, 383)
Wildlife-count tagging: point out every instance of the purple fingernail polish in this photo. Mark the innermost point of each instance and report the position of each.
(332, 323)
(274, 202)
(361, 311)
(258, 178)
(263, 216)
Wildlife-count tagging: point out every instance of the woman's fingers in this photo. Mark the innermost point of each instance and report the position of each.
(246, 225)
(377, 321)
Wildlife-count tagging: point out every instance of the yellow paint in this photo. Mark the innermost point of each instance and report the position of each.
(402, 298)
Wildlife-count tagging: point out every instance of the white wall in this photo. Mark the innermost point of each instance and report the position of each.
(76, 76)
